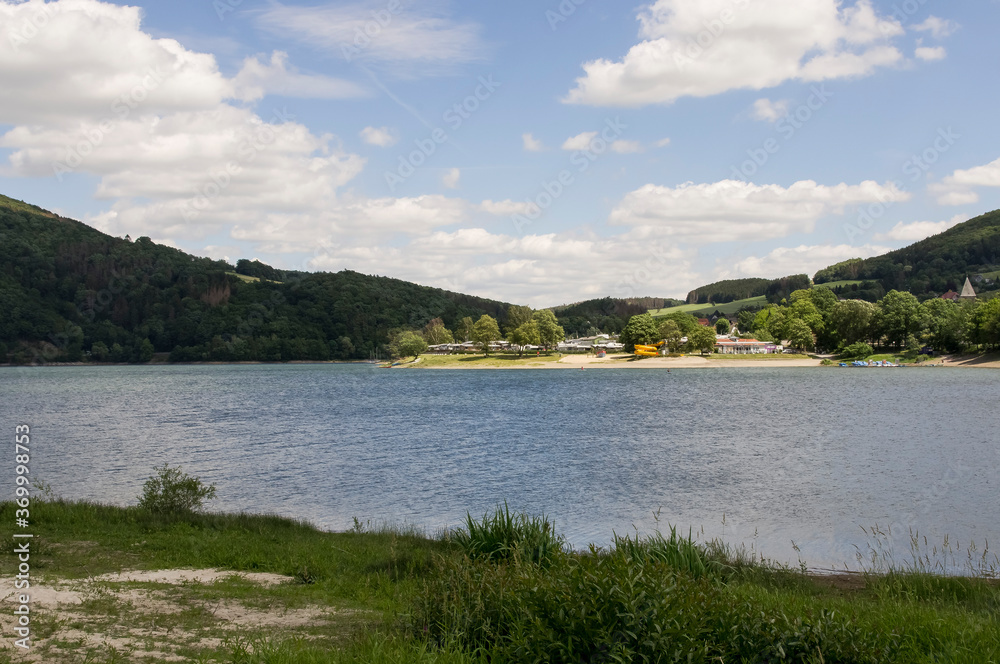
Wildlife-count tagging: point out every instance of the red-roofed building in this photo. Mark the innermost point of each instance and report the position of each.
(950, 295)
(704, 321)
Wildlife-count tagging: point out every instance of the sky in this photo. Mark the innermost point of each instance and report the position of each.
(539, 152)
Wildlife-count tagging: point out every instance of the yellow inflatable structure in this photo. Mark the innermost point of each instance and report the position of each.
(648, 351)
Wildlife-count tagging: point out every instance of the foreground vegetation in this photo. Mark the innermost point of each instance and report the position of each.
(503, 589)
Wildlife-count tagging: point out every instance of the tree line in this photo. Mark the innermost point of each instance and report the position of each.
(816, 319)
(523, 327)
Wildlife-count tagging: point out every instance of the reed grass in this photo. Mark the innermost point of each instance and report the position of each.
(503, 535)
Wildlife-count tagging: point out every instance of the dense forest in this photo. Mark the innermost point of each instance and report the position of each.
(730, 290)
(928, 268)
(69, 292)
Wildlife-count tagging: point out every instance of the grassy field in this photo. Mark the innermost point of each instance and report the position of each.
(244, 277)
(706, 309)
(495, 360)
(502, 591)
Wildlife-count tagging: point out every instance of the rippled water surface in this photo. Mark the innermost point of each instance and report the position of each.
(762, 456)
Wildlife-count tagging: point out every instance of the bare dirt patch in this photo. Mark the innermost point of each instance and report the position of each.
(108, 617)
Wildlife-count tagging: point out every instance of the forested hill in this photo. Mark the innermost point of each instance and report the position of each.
(932, 266)
(722, 292)
(606, 314)
(67, 289)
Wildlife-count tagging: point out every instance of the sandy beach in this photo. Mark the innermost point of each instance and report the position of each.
(686, 362)
(626, 361)
(620, 361)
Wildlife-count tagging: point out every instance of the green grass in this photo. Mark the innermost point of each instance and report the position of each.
(383, 595)
(244, 277)
(502, 536)
(728, 308)
(478, 360)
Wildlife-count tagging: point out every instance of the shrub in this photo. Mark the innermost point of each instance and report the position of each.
(582, 608)
(856, 350)
(503, 535)
(172, 491)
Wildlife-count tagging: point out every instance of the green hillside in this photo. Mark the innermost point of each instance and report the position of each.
(722, 292)
(606, 314)
(67, 289)
(930, 267)
(704, 310)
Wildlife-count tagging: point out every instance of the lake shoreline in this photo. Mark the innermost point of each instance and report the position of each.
(621, 361)
(626, 361)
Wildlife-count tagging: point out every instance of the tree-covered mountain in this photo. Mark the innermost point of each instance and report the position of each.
(68, 290)
(927, 268)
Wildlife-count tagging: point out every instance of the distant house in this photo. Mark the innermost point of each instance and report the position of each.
(967, 291)
(950, 295)
(704, 321)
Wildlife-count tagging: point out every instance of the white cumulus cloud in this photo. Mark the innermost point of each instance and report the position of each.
(919, 230)
(930, 54)
(938, 27)
(700, 48)
(531, 144)
(626, 147)
(382, 137)
(505, 208)
(803, 259)
(451, 178)
(580, 141)
(766, 110)
(257, 79)
(734, 210)
(958, 188)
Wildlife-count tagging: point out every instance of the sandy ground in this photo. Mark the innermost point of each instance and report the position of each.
(687, 362)
(626, 361)
(136, 620)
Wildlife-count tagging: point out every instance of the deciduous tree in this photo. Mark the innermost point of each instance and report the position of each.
(485, 332)
(549, 330)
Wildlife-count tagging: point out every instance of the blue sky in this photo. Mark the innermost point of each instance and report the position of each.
(534, 152)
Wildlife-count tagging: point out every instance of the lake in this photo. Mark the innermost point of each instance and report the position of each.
(760, 456)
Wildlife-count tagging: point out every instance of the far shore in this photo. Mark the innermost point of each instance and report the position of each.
(554, 361)
(627, 361)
